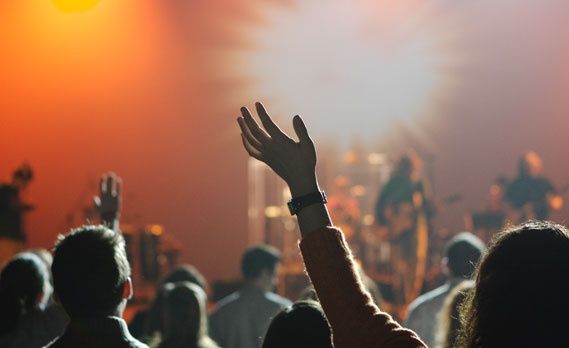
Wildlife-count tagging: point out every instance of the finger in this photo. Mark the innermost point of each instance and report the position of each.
(117, 183)
(114, 182)
(117, 186)
(103, 184)
(300, 130)
(97, 201)
(256, 131)
(247, 133)
(250, 149)
(270, 126)
(110, 185)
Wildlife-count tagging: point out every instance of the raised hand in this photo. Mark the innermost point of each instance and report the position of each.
(108, 202)
(293, 161)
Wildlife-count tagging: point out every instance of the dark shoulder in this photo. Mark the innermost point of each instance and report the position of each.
(225, 302)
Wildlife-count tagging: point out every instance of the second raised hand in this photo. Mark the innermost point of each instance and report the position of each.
(293, 161)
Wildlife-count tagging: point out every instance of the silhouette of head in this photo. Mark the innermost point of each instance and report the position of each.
(303, 325)
(530, 164)
(91, 273)
(24, 285)
(185, 317)
(259, 264)
(520, 298)
(462, 254)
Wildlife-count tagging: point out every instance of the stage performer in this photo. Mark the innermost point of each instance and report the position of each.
(12, 209)
(532, 195)
(404, 209)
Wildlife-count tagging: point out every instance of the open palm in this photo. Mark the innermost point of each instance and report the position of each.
(293, 161)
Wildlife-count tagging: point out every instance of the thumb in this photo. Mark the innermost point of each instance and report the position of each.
(300, 130)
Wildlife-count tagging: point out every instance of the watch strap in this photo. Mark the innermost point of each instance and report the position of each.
(295, 205)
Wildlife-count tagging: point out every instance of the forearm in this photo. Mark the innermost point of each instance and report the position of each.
(349, 308)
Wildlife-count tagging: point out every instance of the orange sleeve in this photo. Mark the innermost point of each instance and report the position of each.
(355, 320)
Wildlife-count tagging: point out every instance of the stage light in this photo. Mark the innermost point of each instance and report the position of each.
(71, 6)
(347, 71)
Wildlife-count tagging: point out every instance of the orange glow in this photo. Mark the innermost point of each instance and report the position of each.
(75, 5)
(156, 230)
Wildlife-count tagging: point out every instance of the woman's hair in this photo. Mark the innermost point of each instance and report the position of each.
(521, 296)
(183, 273)
(301, 325)
(186, 273)
(22, 281)
(449, 316)
(185, 318)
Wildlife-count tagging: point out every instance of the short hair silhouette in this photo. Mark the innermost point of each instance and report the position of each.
(463, 252)
(22, 281)
(90, 269)
(302, 325)
(257, 259)
(521, 296)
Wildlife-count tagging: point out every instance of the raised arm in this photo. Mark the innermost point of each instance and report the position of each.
(355, 320)
(108, 202)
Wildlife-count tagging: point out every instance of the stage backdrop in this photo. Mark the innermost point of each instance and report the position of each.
(151, 89)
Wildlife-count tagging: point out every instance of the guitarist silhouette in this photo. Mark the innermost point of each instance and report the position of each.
(404, 208)
(532, 195)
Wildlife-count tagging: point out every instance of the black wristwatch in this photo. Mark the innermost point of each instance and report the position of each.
(297, 204)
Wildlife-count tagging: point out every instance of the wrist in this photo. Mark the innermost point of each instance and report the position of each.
(109, 217)
(296, 204)
(303, 187)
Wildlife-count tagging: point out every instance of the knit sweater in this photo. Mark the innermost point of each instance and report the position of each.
(355, 320)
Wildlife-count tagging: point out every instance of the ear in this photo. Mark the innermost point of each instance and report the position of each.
(127, 291)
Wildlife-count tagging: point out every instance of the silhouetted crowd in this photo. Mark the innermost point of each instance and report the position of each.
(512, 293)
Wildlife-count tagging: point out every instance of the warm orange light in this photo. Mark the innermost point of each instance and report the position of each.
(69, 6)
(156, 230)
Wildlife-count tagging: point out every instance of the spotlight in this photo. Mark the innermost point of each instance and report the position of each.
(71, 6)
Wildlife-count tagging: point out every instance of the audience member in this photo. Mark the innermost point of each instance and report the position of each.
(303, 325)
(24, 293)
(185, 318)
(520, 296)
(449, 316)
(148, 322)
(91, 278)
(462, 254)
(355, 320)
(241, 319)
